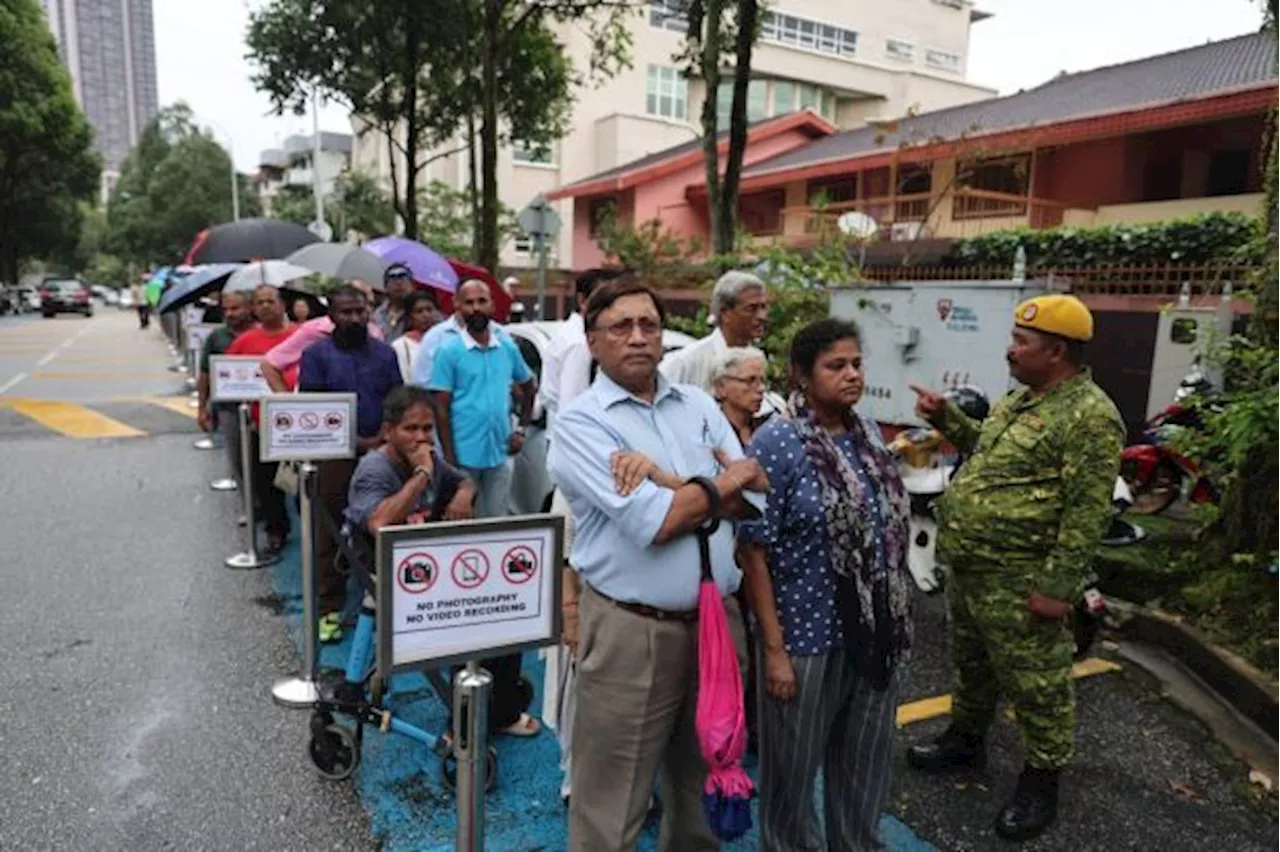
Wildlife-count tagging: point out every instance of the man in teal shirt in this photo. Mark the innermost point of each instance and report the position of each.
(472, 377)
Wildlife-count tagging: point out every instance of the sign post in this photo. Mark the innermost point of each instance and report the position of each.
(541, 222)
(238, 378)
(457, 592)
(196, 334)
(307, 427)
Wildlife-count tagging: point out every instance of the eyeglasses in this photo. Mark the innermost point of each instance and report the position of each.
(623, 329)
(749, 381)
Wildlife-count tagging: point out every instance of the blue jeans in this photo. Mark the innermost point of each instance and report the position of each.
(493, 489)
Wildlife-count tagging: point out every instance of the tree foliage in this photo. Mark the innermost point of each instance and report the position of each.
(174, 183)
(363, 206)
(47, 165)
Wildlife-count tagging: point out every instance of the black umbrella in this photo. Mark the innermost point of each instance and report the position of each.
(246, 240)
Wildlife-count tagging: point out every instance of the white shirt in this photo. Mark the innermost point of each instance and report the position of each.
(566, 372)
(406, 349)
(692, 364)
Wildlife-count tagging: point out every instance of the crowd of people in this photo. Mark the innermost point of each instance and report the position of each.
(810, 558)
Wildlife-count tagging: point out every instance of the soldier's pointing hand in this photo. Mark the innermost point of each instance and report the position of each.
(929, 405)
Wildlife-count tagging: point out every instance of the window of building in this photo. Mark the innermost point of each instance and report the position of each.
(942, 60)
(1008, 176)
(795, 31)
(533, 154)
(598, 211)
(666, 93)
(669, 15)
(784, 97)
(1229, 172)
(757, 102)
(903, 51)
(917, 183)
(760, 213)
(836, 190)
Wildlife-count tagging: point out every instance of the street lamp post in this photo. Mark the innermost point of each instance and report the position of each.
(235, 178)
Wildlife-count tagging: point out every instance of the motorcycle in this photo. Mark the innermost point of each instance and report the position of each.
(927, 465)
(1156, 473)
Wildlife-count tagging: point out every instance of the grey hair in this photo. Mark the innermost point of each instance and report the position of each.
(727, 290)
(728, 360)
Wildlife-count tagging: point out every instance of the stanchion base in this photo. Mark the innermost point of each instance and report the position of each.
(193, 403)
(191, 384)
(205, 444)
(224, 485)
(246, 561)
(296, 692)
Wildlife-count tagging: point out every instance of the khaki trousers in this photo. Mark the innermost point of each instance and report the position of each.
(637, 696)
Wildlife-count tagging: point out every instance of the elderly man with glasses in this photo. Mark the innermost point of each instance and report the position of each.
(739, 310)
(643, 463)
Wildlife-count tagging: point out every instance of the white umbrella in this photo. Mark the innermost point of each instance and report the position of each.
(277, 273)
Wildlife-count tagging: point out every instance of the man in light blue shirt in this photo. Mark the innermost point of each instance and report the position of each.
(440, 334)
(471, 377)
(626, 453)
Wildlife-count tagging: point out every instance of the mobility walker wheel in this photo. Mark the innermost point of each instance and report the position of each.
(449, 771)
(333, 750)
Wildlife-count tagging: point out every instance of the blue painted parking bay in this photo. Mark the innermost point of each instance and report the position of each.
(399, 780)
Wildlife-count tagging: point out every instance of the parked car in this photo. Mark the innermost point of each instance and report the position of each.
(28, 301)
(531, 483)
(64, 296)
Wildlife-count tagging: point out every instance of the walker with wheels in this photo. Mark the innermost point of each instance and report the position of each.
(335, 748)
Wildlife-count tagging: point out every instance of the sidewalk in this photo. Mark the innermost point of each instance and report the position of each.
(399, 780)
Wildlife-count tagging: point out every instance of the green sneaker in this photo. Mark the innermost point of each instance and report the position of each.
(330, 628)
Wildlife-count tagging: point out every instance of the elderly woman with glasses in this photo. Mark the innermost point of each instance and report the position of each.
(826, 577)
(737, 382)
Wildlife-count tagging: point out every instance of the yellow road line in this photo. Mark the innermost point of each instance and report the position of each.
(940, 705)
(72, 420)
(174, 403)
(110, 375)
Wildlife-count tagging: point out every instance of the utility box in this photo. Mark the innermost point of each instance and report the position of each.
(936, 334)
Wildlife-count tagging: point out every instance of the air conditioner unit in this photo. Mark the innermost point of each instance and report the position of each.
(908, 231)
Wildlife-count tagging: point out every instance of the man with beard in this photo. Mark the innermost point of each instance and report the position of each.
(1019, 526)
(443, 332)
(273, 329)
(347, 361)
(237, 318)
(471, 376)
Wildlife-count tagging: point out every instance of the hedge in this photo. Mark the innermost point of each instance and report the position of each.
(1206, 238)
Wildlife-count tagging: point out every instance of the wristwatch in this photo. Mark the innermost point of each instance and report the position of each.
(422, 470)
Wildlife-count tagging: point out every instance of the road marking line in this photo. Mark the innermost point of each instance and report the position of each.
(53, 353)
(108, 375)
(940, 705)
(7, 386)
(72, 420)
(173, 403)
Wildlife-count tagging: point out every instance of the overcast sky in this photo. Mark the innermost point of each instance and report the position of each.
(200, 53)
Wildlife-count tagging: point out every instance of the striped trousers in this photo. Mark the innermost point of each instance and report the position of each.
(836, 722)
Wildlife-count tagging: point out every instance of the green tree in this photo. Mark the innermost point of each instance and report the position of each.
(363, 206)
(173, 184)
(294, 204)
(47, 165)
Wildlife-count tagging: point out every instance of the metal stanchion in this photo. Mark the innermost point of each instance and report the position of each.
(205, 443)
(471, 689)
(302, 691)
(249, 558)
(226, 483)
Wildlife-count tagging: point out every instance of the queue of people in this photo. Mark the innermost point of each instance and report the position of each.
(810, 557)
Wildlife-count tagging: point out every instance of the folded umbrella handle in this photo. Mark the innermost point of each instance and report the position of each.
(708, 527)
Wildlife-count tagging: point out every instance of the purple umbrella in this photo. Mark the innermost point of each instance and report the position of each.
(427, 266)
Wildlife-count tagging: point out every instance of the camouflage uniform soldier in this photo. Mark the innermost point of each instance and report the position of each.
(1019, 526)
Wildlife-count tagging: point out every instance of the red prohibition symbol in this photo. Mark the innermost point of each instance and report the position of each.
(520, 564)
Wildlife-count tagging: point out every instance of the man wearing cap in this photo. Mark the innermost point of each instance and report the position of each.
(1019, 525)
(398, 282)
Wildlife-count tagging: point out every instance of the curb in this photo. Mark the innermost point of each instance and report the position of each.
(1240, 684)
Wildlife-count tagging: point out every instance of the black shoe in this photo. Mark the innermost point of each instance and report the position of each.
(1033, 807)
(953, 750)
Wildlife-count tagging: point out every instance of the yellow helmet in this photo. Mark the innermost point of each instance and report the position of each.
(1065, 316)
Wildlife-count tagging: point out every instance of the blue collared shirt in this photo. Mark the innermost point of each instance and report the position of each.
(437, 336)
(613, 547)
(370, 372)
(478, 379)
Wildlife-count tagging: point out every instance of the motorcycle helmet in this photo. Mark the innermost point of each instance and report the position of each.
(971, 400)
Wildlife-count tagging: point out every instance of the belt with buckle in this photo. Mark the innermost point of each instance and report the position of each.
(688, 616)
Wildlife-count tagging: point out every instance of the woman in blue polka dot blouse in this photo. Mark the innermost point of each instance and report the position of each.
(826, 580)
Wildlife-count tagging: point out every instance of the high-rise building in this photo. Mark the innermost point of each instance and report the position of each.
(110, 49)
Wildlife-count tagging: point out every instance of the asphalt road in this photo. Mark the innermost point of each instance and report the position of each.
(136, 668)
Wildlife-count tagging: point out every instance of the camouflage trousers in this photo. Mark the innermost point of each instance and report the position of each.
(1001, 650)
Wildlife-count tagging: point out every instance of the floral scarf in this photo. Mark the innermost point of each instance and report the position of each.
(873, 586)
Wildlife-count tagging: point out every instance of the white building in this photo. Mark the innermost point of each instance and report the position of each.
(293, 164)
(848, 61)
